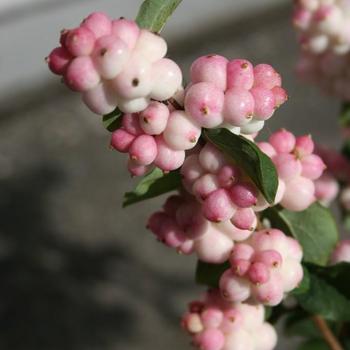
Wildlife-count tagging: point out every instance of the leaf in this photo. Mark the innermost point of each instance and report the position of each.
(314, 228)
(153, 14)
(152, 185)
(325, 299)
(209, 274)
(344, 117)
(112, 121)
(256, 164)
(314, 344)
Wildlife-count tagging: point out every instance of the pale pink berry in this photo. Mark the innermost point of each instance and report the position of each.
(341, 252)
(240, 266)
(205, 185)
(234, 232)
(266, 337)
(292, 274)
(270, 258)
(270, 293)
(131, 124)
(240, 74)
(150, 46)
(81, 74)
(234, 288)
(211, 339)
(135, 80)
(244, 219)
(266, 77)
(267, 148)
(155, 222)
(282, 141)
(181, 133)
(213, 247)
(280, 95)
(58, 60)
(80, 41)
(99, 23)
(212, 317)
(143, 149)
(287, 166)
(110, 56)
(241, 251)
(154, 118)
(326, 188)
(239, 106)
(191, 169)
(187, 247)
(270, 239)
(204, 103)
(135, 169)
(172, 234)
(133, 105)
(100, 99)
(299, 194)
(240, 340)
(166, 79)
(167, 158)
(127, 30)
(304, 145)
(228, 175)
(252, 128)
(211, 159)
(121, 140)
(210, 69)
(192, 323)
(232, 321)
(313, 166)
(264, 102)
(258, 273)
(172, 204)
(301, 18)
(218, 206)
(243, 194)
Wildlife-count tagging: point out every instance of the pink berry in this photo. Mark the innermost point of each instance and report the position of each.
(234, 288)
(238, 107)
(122, 140)
(270, 293)
(81, 74)
(212, 317)
(299, 194)
(167, 158)
(100, 99)
(341, 252)
(210, 69)
(155, 222)
(99, 23)
(264, 102)
(258, 273)
(126, 30)
(287, 166)
(110, 56)
(313, 166)
(204, 103)
(244, 219)
(271, 258)
(205, 185)
(191, 169)
(131, 124)
(150, 46)
(218, 206)
(266, 77)
(58, 60)
(154, 118)
(135, 169)
(242, 251)
(240, 74)
(181, 133)
(80, 41)
(166, 78)
(280, 95)
(282, 141)
(211, 159)
(240, 266)
(212, 339)
(172, 204)
(232, 321)
(326, 188)
(143, 150)
(304, 145)
(267, 149)
(228, 175)
(243, 194)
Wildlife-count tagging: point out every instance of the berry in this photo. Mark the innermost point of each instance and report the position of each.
(264, 102)
(243, 194)
(58, 60)
(341, 252)
(126, 30)
(266, 77)
(150, 46)
(80, 41)
(143, 150)
(98, 23)
(218, 206)
(122, 140)
(153, 120)
(167, 158)
(240, 74)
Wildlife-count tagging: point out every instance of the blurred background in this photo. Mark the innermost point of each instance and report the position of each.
(77, 272)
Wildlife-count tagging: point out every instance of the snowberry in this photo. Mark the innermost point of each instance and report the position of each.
(143, 150)
(240, 74)
(98, 23)
(167, 158)
(80, 41)
(341, 253)
(58, 60)
(153, 120)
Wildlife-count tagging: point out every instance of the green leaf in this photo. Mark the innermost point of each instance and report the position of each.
(256, 164)
(344, 118)
(325, 299)
(153, 14)
(209, 274)
(152, 185)
(314, 228)
(112, 121)
(314, 344)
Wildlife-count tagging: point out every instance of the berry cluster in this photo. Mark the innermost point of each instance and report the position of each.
(263, 268)
(297, 166)
(326, 188)
(215, 324)
(341, 253)
(323, 25)
(115, 63)
(232, 94)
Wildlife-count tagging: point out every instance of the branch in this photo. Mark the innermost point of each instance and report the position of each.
(328, 335)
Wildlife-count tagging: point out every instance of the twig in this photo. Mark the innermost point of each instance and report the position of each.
(328, 335)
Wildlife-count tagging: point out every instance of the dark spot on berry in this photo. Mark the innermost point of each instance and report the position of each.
(135, 82)
(103, 52)
(244, 65)
(121, 17)
(210, 56)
